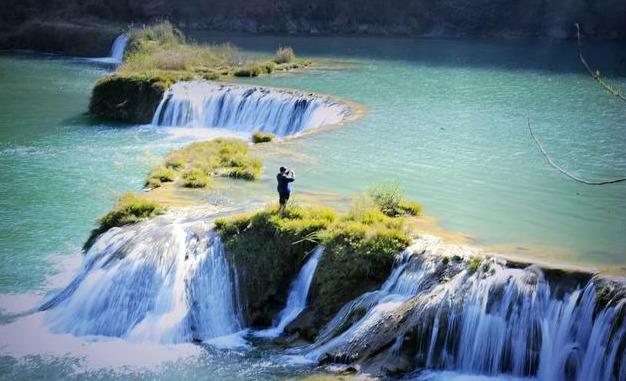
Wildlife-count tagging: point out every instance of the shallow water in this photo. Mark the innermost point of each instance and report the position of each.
(446, 119)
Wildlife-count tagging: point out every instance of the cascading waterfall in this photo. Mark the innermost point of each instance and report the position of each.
(245, 109)
(492, 320)
(166, 280)
(118, 48)
(298, 293)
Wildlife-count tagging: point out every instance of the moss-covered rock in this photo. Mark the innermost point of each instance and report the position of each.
(268, 250)
(262, 137)
(134, 97)
(130, 209)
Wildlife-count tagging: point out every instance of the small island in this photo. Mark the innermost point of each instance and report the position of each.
(157, 56)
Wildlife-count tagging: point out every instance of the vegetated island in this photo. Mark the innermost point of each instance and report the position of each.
(158, 56)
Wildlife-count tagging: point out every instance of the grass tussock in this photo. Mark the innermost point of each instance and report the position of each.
(284, 55)
(262, 137)
(129, 209)
(193, 166)
(392, 202)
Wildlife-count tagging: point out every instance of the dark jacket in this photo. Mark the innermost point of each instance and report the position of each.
(284, 182)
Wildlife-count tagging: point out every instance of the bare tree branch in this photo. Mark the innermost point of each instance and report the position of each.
(596, 74)
(563, 171)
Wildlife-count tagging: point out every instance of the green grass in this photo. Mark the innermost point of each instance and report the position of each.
(163, 47)
(360, 250)
(262, 137)
(129, 209)
(195, 178)
(193, 165)
(159, 175)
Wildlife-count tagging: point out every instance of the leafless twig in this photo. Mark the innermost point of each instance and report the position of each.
(596, 74)
(563, 171)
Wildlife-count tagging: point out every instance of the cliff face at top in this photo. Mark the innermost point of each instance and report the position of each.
(602, 19)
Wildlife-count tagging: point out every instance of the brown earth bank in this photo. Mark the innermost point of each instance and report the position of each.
(87, 27)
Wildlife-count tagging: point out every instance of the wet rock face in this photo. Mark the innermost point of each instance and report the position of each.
(126, 100)
(442, 310)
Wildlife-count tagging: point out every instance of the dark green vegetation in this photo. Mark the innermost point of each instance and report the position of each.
(193, 165)
(452, 18)
(132, 97)
(268, 249)
(86, 37)
(158, 56)
(129, 209)
(262, 137)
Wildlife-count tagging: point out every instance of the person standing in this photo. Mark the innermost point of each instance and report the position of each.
(284, 177)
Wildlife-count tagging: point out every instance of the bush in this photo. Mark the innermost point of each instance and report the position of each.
(129, 209)
(284, 55)
(391, 201)
(262, 137)
(160, 175)
(250, 71)
(195, 178)
(474, 264)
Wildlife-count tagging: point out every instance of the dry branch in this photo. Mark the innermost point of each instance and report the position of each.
(563, 171)
(595, 74)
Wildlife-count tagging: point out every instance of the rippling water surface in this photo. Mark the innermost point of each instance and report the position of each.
(446, 119)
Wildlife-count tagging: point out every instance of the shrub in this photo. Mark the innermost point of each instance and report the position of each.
(474, 265)
(284, 55)
(391, 201)
(129, 209)
(262, 137)
(159, 175)
(195, 178)
(250, 71)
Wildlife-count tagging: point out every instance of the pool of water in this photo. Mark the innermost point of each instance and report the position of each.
(445, 119)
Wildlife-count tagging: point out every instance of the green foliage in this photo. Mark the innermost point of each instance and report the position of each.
(132, 97)
(474, 264)
(360, 248)
(193, 165)
(391, 201)
(195, 178)
(268, 250)
(262, 137)
(252, 70)
(284, 55)
(159, 175)
(129, 209)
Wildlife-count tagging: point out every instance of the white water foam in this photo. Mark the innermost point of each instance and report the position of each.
(203, 104)
(296, 300)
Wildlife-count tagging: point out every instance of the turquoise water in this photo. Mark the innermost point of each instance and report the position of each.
(446, 119)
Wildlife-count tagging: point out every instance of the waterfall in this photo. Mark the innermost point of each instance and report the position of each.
(298, 293)
(497, 319)
(119, 45)
(245, 109)
(166, 280)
